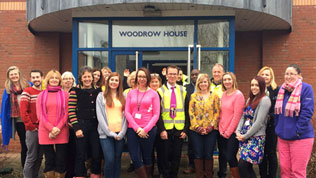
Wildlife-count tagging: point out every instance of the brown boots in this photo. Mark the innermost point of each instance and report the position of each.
(199, 168)
(49, 174)
(234, 172)
(203, 168)
(208, 163)
(142, 172)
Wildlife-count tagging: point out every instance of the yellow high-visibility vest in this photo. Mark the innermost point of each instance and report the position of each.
(217, 89)
(179, 121)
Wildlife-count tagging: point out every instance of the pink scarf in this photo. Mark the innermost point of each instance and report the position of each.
(60, 111)
(294, 102)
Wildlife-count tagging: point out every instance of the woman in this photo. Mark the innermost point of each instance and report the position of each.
(82, 117)
(251, 128)
(269, 165)
(112, 124)
(204, 111)
(142, 111)
(294, 110)
(155, 81)
(10, 109)
(131, 83)
(97, 78)
(53, 134)
(232, 103)
(68, 81)
(106, 71)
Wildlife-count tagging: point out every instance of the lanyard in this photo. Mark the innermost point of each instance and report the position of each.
(139, 102)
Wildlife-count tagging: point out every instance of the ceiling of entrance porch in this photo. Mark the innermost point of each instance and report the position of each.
(245, 20)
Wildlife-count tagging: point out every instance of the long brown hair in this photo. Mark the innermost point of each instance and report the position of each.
(22, 81)
(119, 91)
(255, 100)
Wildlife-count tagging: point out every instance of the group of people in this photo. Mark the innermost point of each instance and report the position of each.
(72, 123)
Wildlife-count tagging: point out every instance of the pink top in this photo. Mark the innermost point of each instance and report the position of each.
(45, 127)
(149, 109)
(231, 112)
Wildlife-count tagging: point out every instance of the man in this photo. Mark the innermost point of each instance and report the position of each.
(172, 124)
(216, 87)
(190, 88)
(216, 82)
(29, 117)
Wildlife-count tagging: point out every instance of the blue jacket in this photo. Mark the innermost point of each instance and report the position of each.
(298, 127)
(6, 121)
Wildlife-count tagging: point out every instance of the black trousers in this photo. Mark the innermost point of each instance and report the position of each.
(269, 166)
(20, 128)
(171, 155)
(90, 142)
(55, 159)
(228, 149)
(246, 169)
(71, 154)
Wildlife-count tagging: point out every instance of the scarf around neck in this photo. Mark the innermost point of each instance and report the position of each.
(15, 107)
(60, 108)
(294, 102)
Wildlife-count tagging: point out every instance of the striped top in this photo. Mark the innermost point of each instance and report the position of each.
(82, 106)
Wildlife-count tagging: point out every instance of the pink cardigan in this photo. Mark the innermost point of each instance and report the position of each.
(45, 127)
(231, 112)
(149, 109)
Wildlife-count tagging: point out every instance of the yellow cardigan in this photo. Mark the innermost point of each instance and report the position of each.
(204, 113)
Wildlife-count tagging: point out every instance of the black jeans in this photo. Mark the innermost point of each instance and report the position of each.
(228, 149)
(20, 128)
(246, 170)
(55, 160)
(171, 155)
(90, 142)
(269, 166)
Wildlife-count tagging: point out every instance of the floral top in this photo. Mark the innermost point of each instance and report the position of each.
(204, 113)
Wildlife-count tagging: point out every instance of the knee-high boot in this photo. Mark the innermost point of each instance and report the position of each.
(199, 171)
(234, 172)
(141, 172)
(208, 168)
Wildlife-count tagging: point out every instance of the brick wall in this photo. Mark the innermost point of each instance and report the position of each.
(247, 58)
(21, 48)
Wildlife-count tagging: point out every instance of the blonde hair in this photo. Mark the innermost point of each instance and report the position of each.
(49, 75)
(22, 81)
(133, 74)
(272, 81)
(107, 69)
(71, 75)
(233, 76)
(199, 80)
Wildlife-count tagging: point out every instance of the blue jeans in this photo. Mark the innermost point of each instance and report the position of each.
(112, 151)
(140, 149)
(203, 145)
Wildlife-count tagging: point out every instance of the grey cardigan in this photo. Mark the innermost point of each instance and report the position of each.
(103, 128)
(260, 119)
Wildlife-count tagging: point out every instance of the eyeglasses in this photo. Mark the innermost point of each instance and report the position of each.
(154, 75)
(172, 74)
(67, 78)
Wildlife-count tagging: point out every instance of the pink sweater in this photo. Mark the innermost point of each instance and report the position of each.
(45, 127)
(231, 112)
(149, 109)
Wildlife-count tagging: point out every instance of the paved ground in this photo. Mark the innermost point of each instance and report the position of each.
(12, 160)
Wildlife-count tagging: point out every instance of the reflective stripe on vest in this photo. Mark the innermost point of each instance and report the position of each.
(179, 121)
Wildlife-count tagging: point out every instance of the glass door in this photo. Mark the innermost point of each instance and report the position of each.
(122, 60)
